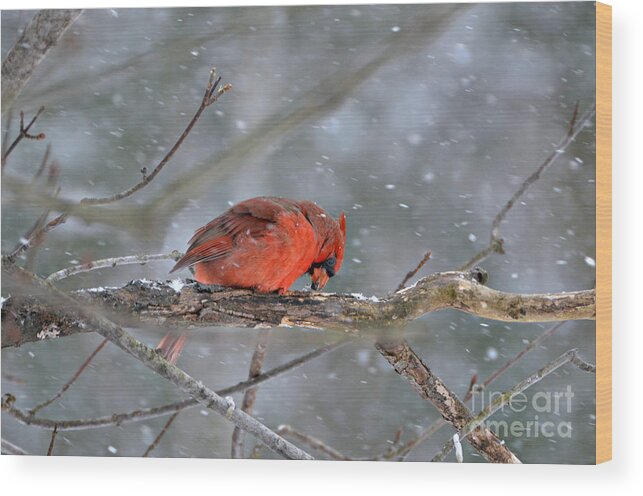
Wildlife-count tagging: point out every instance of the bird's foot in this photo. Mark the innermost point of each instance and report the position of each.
(205, 288)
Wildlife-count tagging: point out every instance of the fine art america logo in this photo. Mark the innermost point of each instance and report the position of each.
(542, 403)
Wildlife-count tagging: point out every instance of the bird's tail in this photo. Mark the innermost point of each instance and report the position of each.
(171, 346)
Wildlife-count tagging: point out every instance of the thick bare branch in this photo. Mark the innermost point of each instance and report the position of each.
(144, 302)
(152, 360)
(405, 449)
(39, 36)
(430, 387)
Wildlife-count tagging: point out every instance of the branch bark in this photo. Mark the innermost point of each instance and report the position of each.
(152, 360)
(118, 419)
(32, 318)
(39, 36)
(476, 422)
(430, 387)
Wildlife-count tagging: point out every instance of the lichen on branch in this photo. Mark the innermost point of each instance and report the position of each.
(174, 305)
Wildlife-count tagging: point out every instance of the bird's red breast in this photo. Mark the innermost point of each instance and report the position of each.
(266, 243)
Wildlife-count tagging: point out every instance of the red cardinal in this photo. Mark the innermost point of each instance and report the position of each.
(264, 244)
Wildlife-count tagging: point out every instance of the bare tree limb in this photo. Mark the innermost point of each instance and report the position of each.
(213, 91)
(25, 244)
(405, 449)
(52, 441)
(312, 442)
(430, 387)
(152, 360)
(158, 438)
(143, 302)
(8, 448)
(73, 379)
(111, 262)
(39, 36)
(118, 419)
(411, 273)
(499, 401)
(24, 133)
(496, 243)
(249, 397)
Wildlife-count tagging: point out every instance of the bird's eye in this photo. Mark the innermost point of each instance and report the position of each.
(329, 265)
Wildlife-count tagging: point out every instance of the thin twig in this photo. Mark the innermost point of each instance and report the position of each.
(212, 93)
(156, 441)
(572, 121)
(8, 448)
(24, 133)
(512, 361)
(249, 397)
(411, 273)
(50, 450)
(496, 242)
(312, 442)
(43, 163)
(39, 239)
(118, 419)
(500, 400)
(24, 244)
(111, 262)
(73, 379)
(7, 129)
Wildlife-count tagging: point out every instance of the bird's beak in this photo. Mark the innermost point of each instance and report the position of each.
(319, 278)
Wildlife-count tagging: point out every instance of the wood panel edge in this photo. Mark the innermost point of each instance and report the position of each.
(604, 232)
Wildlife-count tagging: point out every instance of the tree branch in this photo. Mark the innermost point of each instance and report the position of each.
(118, 419)
(474, 423)
(430, 387)
(152, 360)
(496, 243)
(24, 133)
(158, 438)
(144, 302)
(40, 35)
(404, 450)
(111, 262)
(8, 448)
(213, 91)
(411, 273)
(73, 379)
(249, 397)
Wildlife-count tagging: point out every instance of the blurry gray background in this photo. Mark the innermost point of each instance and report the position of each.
(417, 121)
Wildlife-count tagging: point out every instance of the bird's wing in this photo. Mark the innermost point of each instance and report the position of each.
(252, 218)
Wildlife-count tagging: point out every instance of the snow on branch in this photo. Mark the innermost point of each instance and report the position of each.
(173, 305)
